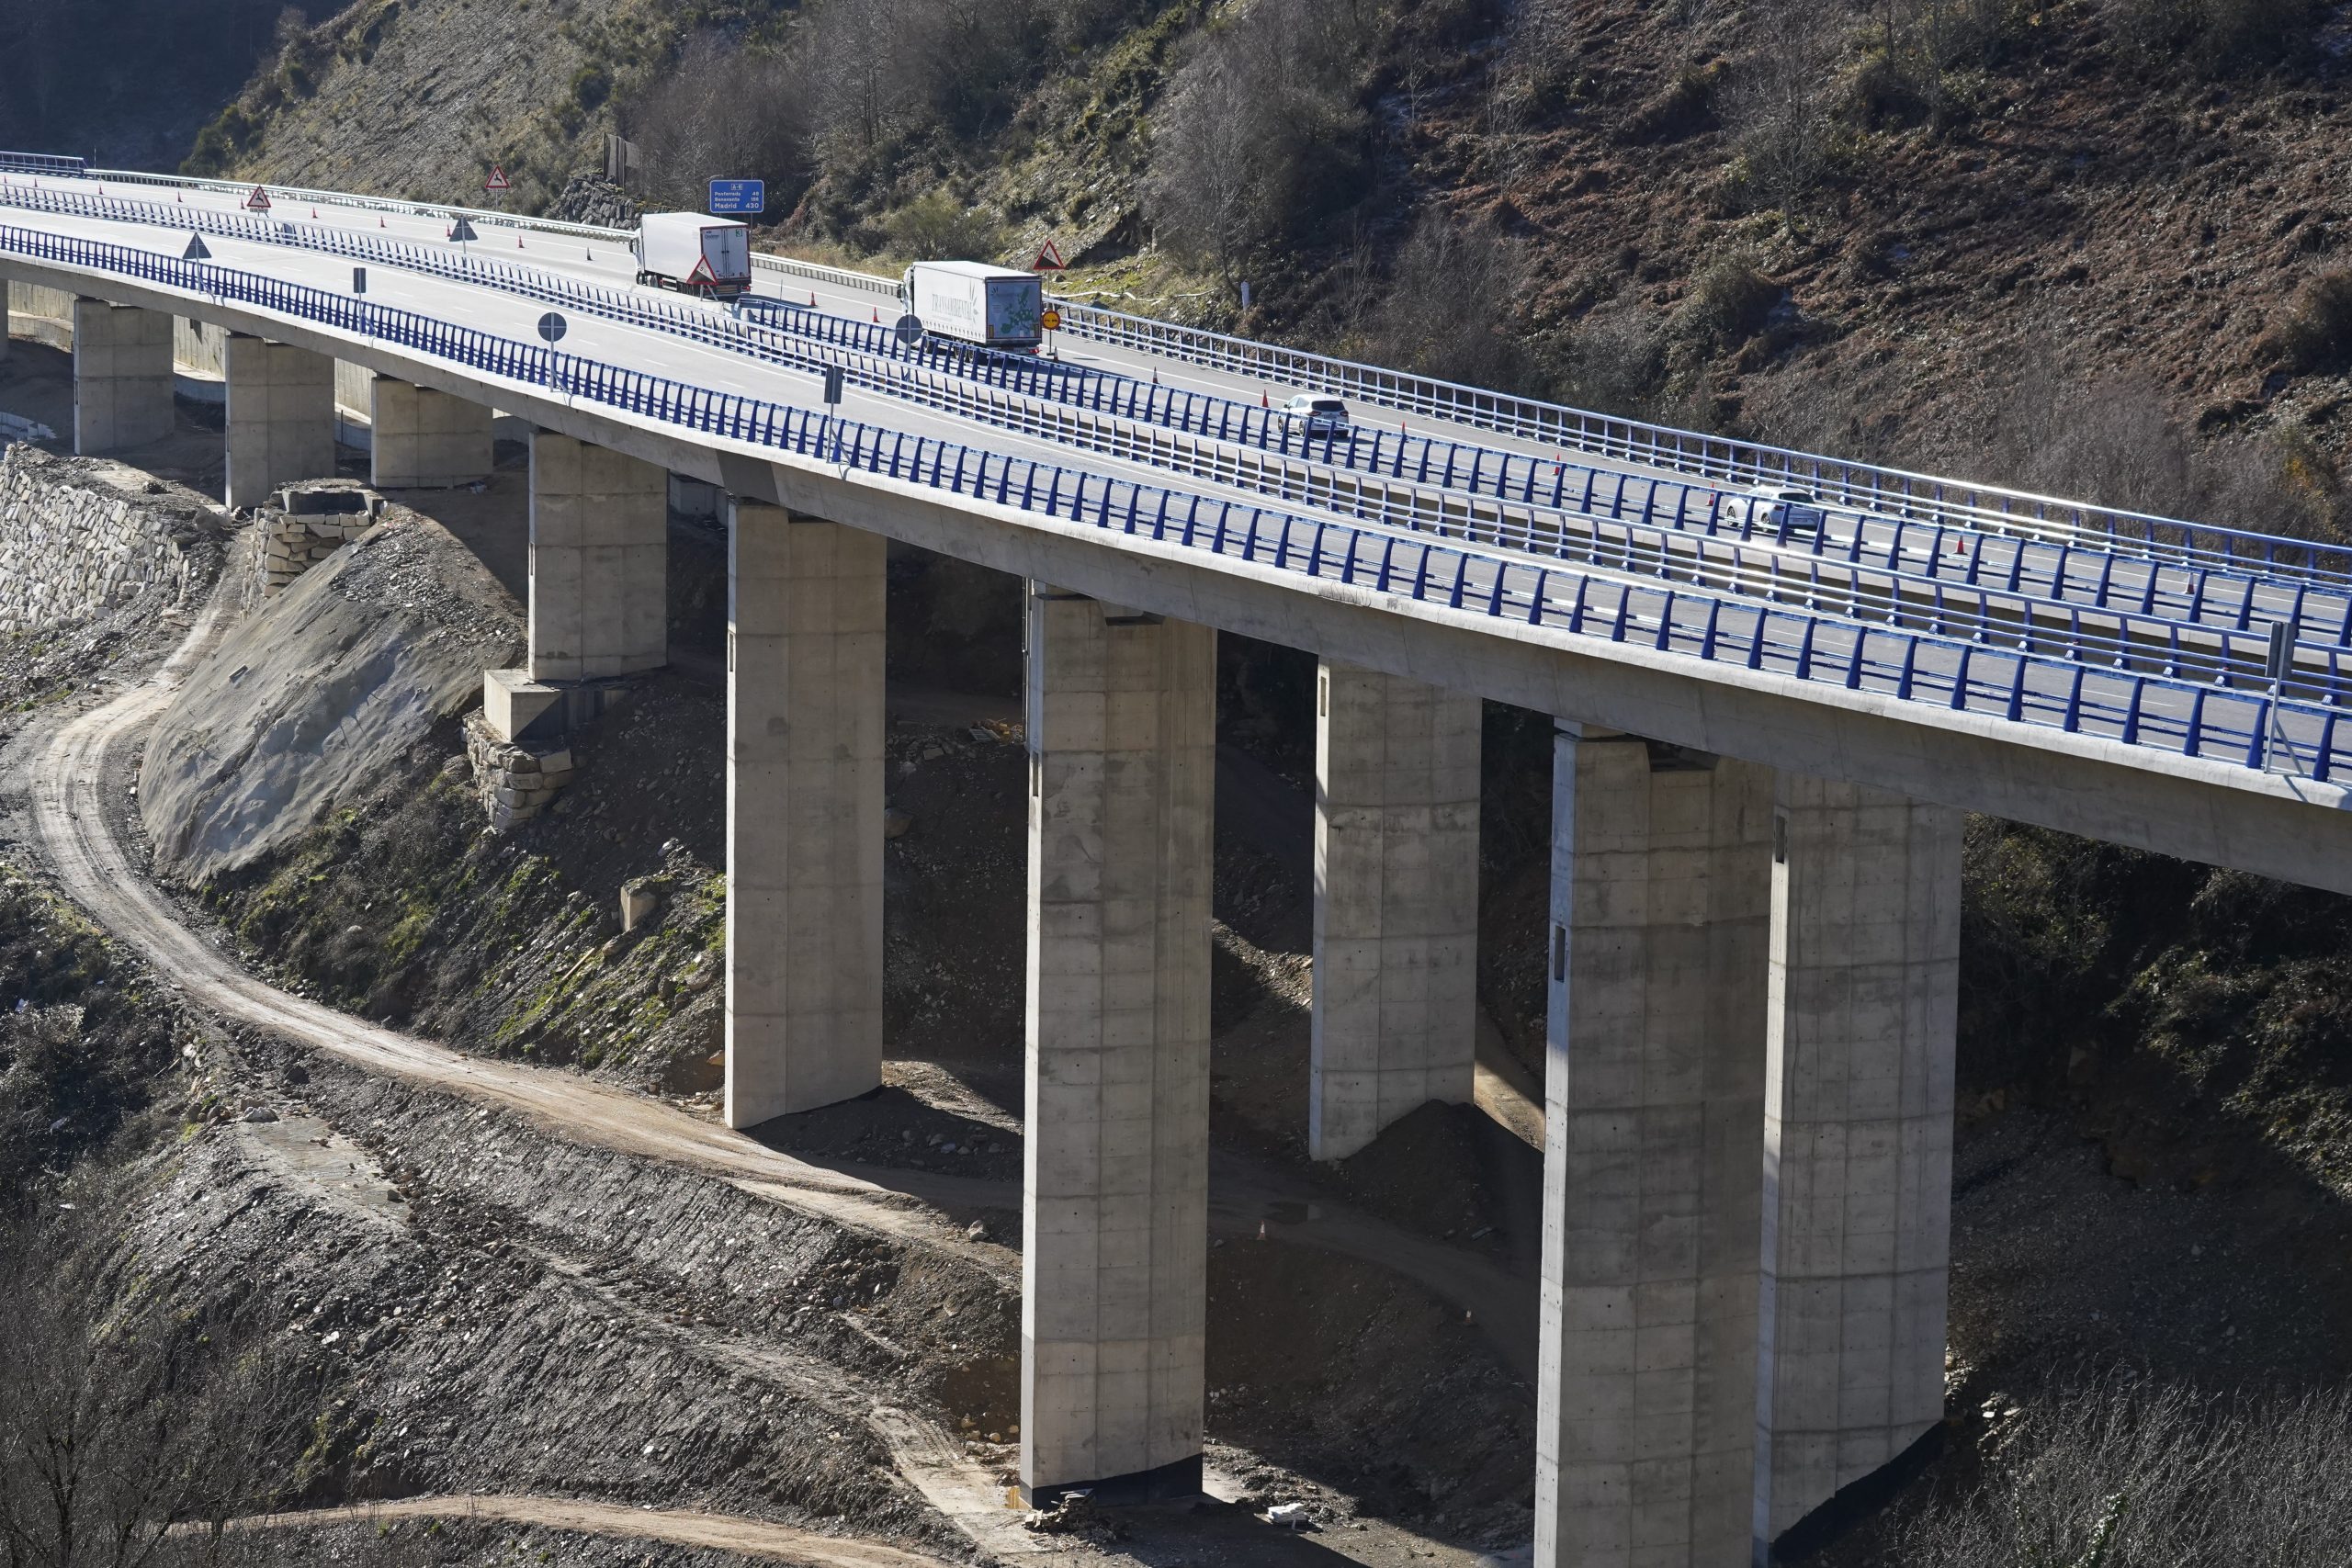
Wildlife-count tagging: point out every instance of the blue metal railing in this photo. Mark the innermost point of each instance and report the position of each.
(1883, 491)
(1887, 491)
(2253, 730)
(1927, 561)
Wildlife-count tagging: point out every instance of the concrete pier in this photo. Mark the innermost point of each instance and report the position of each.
(599, 562)
(1654, 1125)
(1114, 1284)
(280, 416)
(422, 439)
(805, 775)
(1394, 1021)
(1858, 1126)
(122, 377)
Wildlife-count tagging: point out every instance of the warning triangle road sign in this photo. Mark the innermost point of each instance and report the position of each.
(195, 249)
(258, 201)
(497, 180)
(702, 273)
(462, 233)
(1049, 258)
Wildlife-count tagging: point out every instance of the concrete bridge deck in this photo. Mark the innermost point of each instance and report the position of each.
(1754, 937)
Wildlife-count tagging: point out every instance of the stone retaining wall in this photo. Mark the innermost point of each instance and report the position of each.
(515, 782)
(80, 536)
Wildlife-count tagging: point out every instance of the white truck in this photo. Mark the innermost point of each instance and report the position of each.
(697, 254)
(994, 307)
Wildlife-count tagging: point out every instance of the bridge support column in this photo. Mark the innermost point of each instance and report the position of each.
(122, 377)
(1654, 1128)
(1394, 1021)
(280, 416)
(804, 812)
(1858, 1126)
(599, 562)
(1115, 1289)
(423, 439)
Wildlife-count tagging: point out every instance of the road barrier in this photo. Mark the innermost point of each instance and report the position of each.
(1917, 670)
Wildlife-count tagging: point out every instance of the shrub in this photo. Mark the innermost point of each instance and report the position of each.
(1452, 295)
(1726, 304)
(2210, 37)
(2129, 1474)
(2317, 333)
(936, 227)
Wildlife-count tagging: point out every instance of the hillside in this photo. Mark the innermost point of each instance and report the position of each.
(2090, 247)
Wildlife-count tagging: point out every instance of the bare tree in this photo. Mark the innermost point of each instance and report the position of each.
(1453, 297)
(722, 111)
(119, 1426)
(1778, 103)
(1260, 130)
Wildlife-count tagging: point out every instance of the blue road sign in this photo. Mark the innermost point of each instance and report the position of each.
(737, 199)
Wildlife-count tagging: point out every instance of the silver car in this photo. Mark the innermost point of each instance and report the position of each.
(1777, 510)
(1322, 414)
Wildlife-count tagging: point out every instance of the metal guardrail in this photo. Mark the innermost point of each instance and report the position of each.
(1886, 491)
(2252, 731)
(41, 163)
(1962, 603)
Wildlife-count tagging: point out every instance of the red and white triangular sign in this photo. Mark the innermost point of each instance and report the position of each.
(702, 273)
(1049, 258)
(497, 180)
(258, 201)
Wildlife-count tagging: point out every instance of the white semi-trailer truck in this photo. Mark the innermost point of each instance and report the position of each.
(994, 307)
(700, 255)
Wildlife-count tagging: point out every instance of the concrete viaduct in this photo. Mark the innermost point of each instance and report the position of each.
(1755, 914)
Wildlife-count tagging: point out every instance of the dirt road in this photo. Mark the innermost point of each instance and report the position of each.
(748, 1537)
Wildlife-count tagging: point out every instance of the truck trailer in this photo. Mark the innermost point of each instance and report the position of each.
(689, 251)
(972, 302)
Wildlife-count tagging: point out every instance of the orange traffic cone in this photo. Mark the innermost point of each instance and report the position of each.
(314, 212)
(1264, 402)
(877, 315)
(813, 298)
(518, 242)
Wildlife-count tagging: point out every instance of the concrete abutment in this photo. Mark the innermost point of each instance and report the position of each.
(804, 779)
(1396, 1005)
(1114, 1287)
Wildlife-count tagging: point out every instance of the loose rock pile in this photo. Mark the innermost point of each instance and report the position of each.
(79, 536)
(515, 782)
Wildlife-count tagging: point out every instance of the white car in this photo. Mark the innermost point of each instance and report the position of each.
(1777, 510)
(1321, 414)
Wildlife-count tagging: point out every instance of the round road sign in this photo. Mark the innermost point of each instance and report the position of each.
(1051, 320)
(908, 330)
(552, 327)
